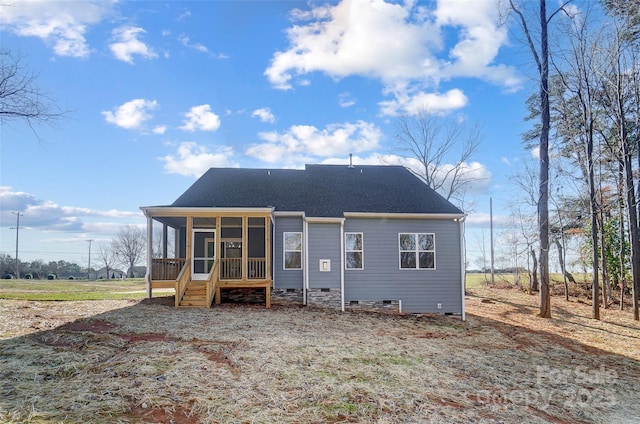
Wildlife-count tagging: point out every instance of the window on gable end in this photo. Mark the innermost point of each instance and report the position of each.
(354, 251)
(292, 250)
(417, 250)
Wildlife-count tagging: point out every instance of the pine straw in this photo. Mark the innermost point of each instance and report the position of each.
(125, 362)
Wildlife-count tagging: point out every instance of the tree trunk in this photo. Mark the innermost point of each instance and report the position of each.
(603, 257)
(621, 233)
(543, 201)
(632, 205)
(562, 269)
(633, 229)
(595, 287)
(534, 279)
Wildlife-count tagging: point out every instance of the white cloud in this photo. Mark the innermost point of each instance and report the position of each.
(480, 38)
(301, 143)
(194, 160)
(184, 40)
(126, 44)
(409, 56)
(62, 25)
(332, 41)
(346, 100)
(160, 129)
(264, 114)
(131, 114)
(201, 118)
(48, 215)
(430, 103)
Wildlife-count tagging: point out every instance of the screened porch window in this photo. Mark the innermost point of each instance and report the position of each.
(292, 250)
(417, 250)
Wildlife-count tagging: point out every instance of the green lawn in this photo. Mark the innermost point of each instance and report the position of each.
(63, 290)
(134, 288)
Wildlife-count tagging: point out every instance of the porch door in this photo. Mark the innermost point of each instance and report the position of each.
(203, 253)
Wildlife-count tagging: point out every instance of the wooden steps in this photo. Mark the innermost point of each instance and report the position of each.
(195, 296)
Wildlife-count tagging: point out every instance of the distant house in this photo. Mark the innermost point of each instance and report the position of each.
(338, 236)
(108, 273)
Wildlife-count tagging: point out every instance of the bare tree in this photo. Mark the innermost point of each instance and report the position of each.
(482, 260)
(20, 97)
(621, 94)
(106, 257)
(444, 148)
(129, 246)
(580, 82)
(540, 53)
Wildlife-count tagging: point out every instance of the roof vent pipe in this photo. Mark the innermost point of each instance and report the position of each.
(351, 161)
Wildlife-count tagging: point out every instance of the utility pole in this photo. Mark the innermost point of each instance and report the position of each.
(491, 231)
(17, 214)
(89, 266)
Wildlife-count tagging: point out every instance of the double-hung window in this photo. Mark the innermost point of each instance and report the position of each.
(417, 250)
(354, 251)
(292, 247)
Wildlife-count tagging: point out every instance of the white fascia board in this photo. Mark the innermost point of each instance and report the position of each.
(288, 213)
(183, 211)
(324, 220)
(454, 216)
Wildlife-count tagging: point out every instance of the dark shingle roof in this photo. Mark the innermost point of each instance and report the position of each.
(318, 190)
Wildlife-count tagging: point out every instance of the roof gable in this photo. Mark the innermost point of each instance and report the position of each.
(318, 190)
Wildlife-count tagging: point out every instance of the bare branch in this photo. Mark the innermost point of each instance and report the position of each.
(20, 97)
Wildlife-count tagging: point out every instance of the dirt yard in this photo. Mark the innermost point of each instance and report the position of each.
(130, 361)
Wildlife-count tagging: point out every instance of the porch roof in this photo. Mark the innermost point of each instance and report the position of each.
(318, 191)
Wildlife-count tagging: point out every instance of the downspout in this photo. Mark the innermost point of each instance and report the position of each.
(463, 270)
(305, 283)
(147, 276)
(272, 228)
(342, 250)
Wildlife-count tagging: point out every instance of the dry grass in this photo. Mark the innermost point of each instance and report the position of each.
(130, 361)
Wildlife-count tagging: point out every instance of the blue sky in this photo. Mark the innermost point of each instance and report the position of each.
(159, 91)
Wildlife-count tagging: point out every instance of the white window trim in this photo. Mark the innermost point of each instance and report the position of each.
(417, 251)
(284, 250)
(350, 251)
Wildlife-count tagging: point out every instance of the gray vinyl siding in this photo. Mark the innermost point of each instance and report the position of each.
(324, 243)
(286, 278)
(420, 290)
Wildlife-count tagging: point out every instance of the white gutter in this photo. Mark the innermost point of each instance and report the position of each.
(305, 267)
(405, 215)
(182, 211)
(324, 220)
(288, 213)
(342, 253)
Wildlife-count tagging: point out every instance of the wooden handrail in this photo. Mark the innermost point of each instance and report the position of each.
(182, 281)
(212, 281)
(166, 268)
